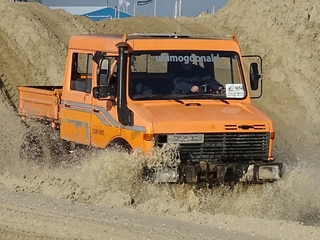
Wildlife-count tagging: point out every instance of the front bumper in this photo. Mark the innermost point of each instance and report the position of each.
(216, 173)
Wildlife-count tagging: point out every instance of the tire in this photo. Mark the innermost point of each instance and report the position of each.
(42, 145)
(120, 144)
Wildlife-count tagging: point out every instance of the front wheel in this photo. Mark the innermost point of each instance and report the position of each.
(120, 144)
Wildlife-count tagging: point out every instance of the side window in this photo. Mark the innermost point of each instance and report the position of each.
(81, 77)
(114, 71)
(112, 78)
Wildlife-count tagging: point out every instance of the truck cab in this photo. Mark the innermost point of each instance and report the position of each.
(126, 90)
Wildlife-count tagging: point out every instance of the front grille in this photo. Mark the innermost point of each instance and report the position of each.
(224, 147)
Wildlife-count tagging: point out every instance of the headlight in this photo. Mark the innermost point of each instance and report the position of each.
(269, 172)
(166, 175)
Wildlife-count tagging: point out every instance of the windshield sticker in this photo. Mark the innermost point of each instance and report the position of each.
(234, 91)
(187, 59)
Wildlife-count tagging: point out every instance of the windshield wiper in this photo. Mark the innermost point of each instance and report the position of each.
(203, 96)
(178, 97)
(158, 97)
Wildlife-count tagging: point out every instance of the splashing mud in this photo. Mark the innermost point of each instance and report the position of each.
(112, 178)
(294, 198)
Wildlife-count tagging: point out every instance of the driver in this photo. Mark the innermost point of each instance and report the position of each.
(193, 78)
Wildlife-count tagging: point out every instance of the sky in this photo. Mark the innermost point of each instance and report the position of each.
(190, 8)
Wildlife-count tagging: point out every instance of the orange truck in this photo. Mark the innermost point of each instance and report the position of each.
(136, 91)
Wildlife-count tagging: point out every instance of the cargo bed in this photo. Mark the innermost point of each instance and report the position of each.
(41, 102)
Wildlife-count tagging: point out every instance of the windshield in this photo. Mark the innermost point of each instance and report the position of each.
(186, 75)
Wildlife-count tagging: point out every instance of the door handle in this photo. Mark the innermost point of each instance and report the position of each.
(96, 110)
(67, 105)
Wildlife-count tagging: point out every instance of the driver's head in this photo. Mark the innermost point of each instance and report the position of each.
(186, 66)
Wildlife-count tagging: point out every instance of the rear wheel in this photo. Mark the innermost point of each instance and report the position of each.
(42, 145)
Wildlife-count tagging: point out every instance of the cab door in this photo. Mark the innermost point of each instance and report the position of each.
(104, 121)
(76, 105)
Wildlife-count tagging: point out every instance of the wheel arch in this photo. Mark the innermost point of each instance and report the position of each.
(119, 142)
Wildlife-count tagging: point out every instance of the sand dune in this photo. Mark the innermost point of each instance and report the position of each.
(33, 43)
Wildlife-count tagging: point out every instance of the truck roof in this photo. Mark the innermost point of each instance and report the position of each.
(97, 42)
(107, 42)
(175, 35)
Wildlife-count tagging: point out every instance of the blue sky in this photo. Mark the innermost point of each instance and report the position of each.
(163, 7)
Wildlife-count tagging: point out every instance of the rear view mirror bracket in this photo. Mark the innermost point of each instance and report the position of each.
(103, 92)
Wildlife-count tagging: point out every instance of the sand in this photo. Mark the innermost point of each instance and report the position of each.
(101, 197)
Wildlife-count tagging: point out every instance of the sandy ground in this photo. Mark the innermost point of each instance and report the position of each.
(101, 196)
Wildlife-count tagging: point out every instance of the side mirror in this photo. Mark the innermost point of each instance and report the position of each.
(254, 76)
(101, 92)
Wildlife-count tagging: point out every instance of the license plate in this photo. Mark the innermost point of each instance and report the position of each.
(185, 138)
